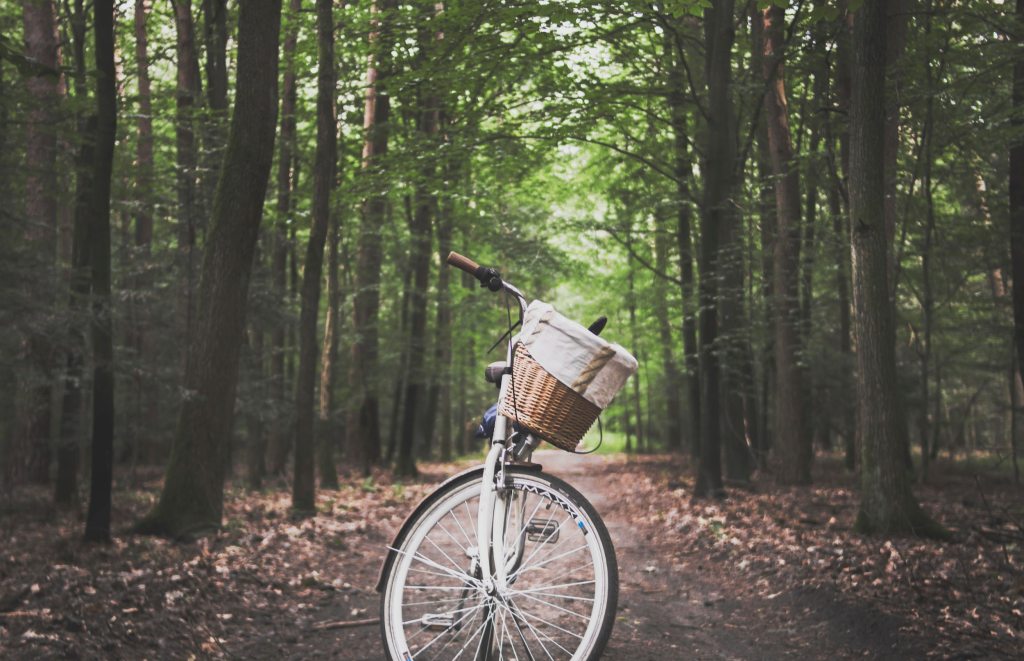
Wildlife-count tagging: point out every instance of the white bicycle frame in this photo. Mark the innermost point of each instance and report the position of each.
(490, 537)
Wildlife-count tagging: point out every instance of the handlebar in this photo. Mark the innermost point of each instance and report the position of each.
(488, 277)
(463, 263)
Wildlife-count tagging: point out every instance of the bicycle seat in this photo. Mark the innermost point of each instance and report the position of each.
(493, 372)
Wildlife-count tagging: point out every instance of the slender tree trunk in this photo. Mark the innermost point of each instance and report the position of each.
(187, 95)
(1016, 400)
(443, 351)
(792, 441)
(256, 444)
(682, 171)
(927, 297)
(215, 38)
(97, 523)
(720, 155)
(327, 430)
(365, 424)
(71, 422)
(896, 36)
(45, 89)
(402, 376)
(733, 355)
(281, 439)
(193, 494)
(304, 485)
(420, 236)
(887, 504)
(631, 304)
(842, 284)
(673, 405)
(766, 215)
(1016, 186)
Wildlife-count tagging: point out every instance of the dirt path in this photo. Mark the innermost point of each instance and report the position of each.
(260, 588)
(677, 607)
(671, 607)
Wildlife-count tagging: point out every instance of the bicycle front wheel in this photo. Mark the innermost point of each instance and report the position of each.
(562, 589)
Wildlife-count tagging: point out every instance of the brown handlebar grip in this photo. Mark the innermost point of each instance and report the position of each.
(462, 262)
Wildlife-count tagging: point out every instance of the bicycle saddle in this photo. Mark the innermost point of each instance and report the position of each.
(493, 372)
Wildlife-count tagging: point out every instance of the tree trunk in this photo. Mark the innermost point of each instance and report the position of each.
(193, 493)
(215, 38)
(631, 304)
(45, 89)
(766, 216)
(187, 95)
(365, 425)
(1016, 186)
(1016, 401)
(896, 37)
(281, 436)
(443, 346)
(720, 155)
(887, 504)
(792, 441)
(682, 171)
(327, 431)
(927, 297)
(256, 444)
(304, 485)
(66, 487)
(402, 376)
(97, 523)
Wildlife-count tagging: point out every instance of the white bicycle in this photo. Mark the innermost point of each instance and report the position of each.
(502, 561)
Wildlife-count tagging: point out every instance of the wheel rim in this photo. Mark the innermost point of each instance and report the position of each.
(436, 606)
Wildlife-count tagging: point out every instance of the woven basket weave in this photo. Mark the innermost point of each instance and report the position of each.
(546, 406)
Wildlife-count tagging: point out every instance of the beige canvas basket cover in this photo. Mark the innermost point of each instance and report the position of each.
(592, 367)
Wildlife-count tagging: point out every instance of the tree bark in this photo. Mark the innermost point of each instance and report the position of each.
(720, 156)
(44, 89)
(66, 486)
(215, 39)
(1016, 186)
(281, 436)
(840, 168)
(365, 423)
(193, 493)
(766, 216)
(682, 171)
(887, 505)
(792, 441)
(927, 296)
(631, 304)
(327, 431)
(97, 523)
(419, 258)
(304, 484)
(443, 345)
(187, 95)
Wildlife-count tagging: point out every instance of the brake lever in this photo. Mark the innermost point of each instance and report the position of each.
(490, 279)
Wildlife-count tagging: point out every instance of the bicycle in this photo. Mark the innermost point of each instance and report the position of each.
(503, 561)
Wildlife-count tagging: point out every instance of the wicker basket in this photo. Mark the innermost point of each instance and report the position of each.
(546, 406)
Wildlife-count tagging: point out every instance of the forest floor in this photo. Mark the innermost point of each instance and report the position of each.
(771, 572)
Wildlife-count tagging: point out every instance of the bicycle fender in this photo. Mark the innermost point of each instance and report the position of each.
(389, 559)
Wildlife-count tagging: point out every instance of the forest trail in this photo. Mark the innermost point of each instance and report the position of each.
(675, 607)
(673, 604)
(771, 573)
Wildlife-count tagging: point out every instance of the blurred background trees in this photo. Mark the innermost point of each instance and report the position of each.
(684, 167)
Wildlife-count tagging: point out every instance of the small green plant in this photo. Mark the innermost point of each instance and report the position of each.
(368, 485)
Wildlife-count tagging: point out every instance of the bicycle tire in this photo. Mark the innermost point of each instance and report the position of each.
(511, 626)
